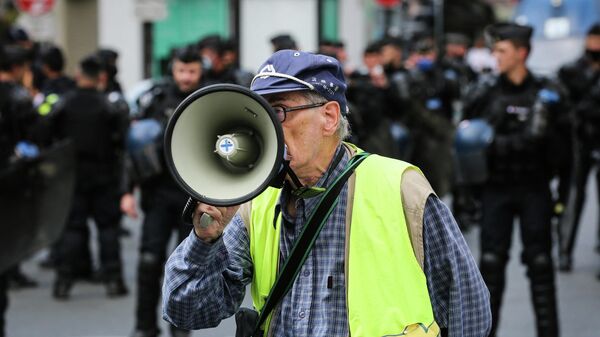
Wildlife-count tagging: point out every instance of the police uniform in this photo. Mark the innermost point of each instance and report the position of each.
(433, 90)
(162, 202)
(582, 82)
(16, 115)
(374, 110)
(521, 161)
(52, 90)
(85, 116)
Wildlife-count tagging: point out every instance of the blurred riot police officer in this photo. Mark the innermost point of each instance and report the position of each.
(53, 62)
(455, 52)
(161, 199)
(373, 100)
(220, 63)
(582, 80)
(54, 85)
(16, 115)
(86, 117)
(433, 91)
(19, 106)
(109, 59)
(524, 111)
(16, 109)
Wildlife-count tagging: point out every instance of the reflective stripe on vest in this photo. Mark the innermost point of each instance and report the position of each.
(383, 298)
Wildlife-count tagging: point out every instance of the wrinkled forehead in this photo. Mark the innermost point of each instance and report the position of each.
(293, 96)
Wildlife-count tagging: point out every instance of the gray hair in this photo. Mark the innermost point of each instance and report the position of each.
(343, 129)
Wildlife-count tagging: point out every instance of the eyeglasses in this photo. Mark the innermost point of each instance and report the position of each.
(282, 111)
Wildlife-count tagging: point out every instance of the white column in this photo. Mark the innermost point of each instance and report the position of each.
(262, 19)
(353, 29)
(121, 30)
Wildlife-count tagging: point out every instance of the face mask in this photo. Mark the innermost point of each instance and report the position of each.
(206, 63)
(425, 64)
(593, 55)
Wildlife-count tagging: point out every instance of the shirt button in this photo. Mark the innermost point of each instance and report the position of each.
(302, 314)
(306, 273)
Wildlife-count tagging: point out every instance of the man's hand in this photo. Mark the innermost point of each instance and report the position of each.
(128, 205)
(220, 217)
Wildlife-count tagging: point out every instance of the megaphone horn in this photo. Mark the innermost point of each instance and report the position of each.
(224, 145)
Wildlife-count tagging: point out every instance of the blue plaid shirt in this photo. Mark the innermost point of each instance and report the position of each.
(206, 283)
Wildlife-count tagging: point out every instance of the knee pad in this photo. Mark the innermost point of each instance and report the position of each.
(540, 263)
(492, 260)
(150, 260)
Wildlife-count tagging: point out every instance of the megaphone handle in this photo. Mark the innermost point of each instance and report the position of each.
(188, 211)
(188, 214)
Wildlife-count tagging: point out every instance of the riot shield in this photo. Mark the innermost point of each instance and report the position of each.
(35, 200)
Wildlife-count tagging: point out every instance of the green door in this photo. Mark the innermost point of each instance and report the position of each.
(187, 22)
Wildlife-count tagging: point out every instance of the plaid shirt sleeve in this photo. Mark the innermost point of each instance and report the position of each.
(206, 283)
(459, 296)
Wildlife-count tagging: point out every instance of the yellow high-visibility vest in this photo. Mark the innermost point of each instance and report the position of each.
(387, 291)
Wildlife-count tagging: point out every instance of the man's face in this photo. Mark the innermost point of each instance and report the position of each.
(302, 129)
(372, 60)
(391, 54)
(18, 72)
(456, 50)
(187, 75)
(508, 56)
(592, 44)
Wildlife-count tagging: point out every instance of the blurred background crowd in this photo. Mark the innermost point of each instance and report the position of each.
(415, 70)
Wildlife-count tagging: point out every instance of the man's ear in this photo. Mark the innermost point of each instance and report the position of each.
(523, 53)
(331, 112)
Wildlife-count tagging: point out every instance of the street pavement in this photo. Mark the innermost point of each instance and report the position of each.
(89, 313)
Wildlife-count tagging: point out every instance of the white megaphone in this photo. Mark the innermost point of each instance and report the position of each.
(224, 145)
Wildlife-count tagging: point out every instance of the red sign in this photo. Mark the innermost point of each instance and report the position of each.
(34, 7)
(388, 3)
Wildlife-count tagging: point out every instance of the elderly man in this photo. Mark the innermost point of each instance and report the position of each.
(365, 275)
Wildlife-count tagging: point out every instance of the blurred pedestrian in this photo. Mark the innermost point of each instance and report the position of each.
(525, 112)
(161, 199)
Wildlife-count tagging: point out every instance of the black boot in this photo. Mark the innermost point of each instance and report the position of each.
(146, 333)
(61, 289)
(177, 332)
(543, 295)
(492, 269)
(115, 287)
(18, 280)
(565, 263)
(148, 292)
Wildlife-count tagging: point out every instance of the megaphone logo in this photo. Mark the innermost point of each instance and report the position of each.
(224, 145)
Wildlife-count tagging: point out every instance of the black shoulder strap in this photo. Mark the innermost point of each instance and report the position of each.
(307, 238)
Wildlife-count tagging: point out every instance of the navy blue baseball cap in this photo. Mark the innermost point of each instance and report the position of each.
(292, 70)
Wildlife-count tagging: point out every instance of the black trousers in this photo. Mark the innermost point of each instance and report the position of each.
(101, 203)
(570, 222)
(162, 207)
(532, 205)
